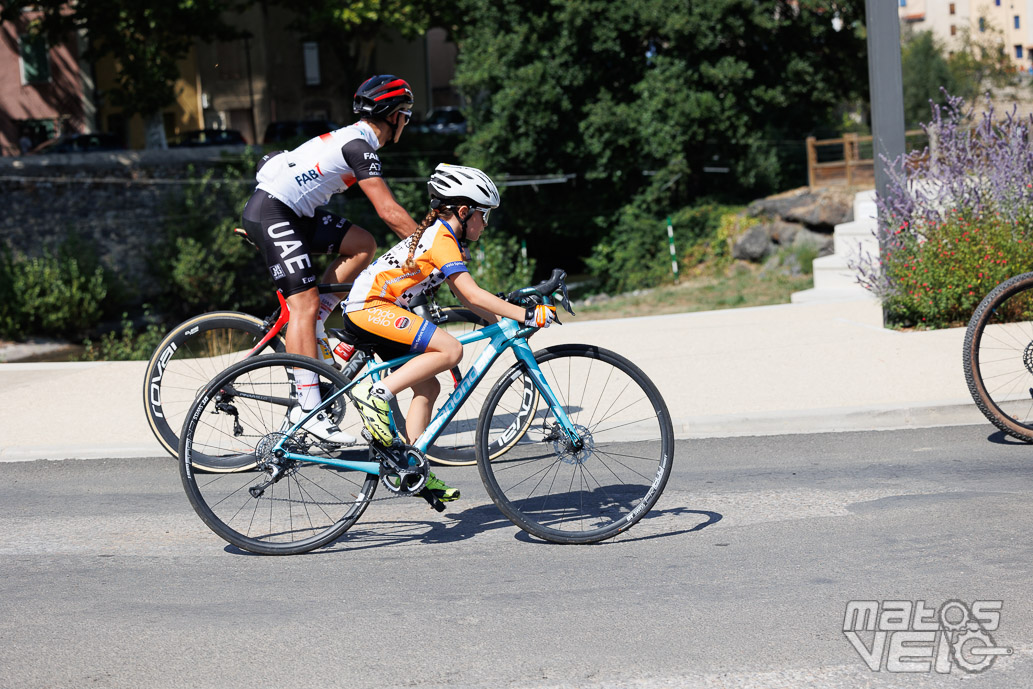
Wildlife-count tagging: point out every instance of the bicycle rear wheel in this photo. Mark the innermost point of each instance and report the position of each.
(565, 494)
(279, 506)
(191, 354)
(998, 356)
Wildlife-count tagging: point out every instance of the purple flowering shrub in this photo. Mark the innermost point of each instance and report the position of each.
(957, 218)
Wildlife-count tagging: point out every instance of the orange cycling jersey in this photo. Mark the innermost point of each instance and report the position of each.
(377, 301)
(387, 281)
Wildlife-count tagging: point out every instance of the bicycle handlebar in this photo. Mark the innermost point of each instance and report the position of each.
(544, 289)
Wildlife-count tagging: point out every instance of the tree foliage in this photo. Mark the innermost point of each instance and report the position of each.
(925, 75)
(638, 98)
(975, 63)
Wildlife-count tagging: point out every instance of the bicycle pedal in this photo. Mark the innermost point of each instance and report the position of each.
(432, 500)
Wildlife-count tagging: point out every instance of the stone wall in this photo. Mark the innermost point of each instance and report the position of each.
(117, 203)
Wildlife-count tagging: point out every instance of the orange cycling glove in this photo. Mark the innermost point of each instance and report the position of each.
(539, 316)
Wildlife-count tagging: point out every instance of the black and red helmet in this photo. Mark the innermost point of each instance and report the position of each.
(382, 95)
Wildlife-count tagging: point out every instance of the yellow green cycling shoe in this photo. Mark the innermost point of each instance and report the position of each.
(375, 412)
(440, 490)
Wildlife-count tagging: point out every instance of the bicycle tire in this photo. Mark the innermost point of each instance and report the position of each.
(604, 488)
(245, 411)
(188, 357)
(997, 356)
(456, 445)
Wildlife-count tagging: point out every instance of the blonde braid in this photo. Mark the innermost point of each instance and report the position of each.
(432, 216)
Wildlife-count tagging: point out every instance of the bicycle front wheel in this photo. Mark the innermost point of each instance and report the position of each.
(191, 354)
(280, 506)
(567, 494)
(998, 356)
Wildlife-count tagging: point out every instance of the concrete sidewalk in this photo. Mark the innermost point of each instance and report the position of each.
(793, 368)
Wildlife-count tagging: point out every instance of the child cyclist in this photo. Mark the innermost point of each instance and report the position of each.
(461, 199)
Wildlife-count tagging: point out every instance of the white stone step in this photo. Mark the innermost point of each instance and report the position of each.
(865, 208)
(848, 236)
(833, 272)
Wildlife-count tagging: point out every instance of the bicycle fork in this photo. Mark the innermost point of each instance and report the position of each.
(525, 355)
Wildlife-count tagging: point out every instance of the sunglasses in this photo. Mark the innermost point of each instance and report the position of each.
(484, 212)
(406, 113)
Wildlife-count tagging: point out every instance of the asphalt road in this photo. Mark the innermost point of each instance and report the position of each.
(738, 578)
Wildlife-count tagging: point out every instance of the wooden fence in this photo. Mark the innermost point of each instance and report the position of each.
(855, 167)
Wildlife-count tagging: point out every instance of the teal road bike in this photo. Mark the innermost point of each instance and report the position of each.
(574, 444)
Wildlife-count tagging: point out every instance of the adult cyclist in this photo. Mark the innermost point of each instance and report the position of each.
(285, 220)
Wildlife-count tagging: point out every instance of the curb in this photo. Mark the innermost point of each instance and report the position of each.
(844, 419)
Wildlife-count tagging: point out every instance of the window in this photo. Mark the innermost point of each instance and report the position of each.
(982, 24)
(952, 8)
(35, 60)
(311, 63)
(903, 3)
(1018, 51)
(997, 2)
(954, 30)
(1016, 21)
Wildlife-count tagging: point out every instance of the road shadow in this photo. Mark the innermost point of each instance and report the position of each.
(480, 519)
(1002, 438)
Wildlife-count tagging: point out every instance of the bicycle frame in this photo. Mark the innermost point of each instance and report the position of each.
(505, 334)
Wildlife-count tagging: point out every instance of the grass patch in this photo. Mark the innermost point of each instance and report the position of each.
(742, 284)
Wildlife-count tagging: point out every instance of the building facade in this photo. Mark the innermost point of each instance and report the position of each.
(43, 88)
(949, 19)
(273, 75)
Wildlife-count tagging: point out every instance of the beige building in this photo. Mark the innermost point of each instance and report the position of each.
(948, 19)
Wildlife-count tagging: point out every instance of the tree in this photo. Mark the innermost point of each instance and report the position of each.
(145, 38)
(926, 75)
(981, 62)
(637, 98)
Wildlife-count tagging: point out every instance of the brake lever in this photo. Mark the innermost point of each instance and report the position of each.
(565, 300)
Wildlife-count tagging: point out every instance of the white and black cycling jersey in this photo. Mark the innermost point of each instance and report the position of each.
(308, 176)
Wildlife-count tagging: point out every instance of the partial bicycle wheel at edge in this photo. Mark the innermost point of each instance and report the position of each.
(280, 506)
(191, 354)
(565, 494)
(998, 356)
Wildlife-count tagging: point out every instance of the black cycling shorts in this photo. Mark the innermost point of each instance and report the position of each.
(287, 240)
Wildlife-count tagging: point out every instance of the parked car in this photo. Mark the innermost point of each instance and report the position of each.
(208, 137)
(287, 130)
(80, 143)
(443, 121)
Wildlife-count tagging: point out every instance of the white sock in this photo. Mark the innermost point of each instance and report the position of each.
(327, 303)
(307, 384)
(381, 391)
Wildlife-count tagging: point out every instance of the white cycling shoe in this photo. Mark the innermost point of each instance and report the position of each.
(321, 427)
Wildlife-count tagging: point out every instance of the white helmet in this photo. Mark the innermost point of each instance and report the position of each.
(457, 185)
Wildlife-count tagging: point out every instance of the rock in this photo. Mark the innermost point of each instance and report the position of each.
(754, 245)
(822, 242)
(822, 208)
(782, 233)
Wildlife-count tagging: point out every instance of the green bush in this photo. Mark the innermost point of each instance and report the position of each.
(57, 294)
(500, 264)
(636, 254)
(205, 265)
(939, 275)
(125, 345)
